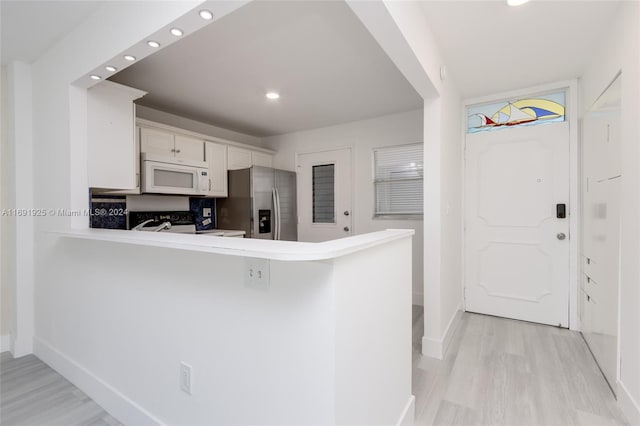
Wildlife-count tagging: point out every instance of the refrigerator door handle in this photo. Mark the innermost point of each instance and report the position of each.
(278, 214)
(276, 224)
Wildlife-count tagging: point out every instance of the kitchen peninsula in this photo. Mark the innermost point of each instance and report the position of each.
(272, 332)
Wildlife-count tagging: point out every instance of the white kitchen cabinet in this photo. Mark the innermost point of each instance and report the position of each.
(163, 142)
(242, 158)
(189, 148)
(216, 157)
(238, 158)
(112, 153)
(133, 191)
(261, 159)
(156, 141)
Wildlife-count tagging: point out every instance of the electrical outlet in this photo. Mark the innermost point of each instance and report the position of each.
(206, 212)
(256, 273)
(185, 377)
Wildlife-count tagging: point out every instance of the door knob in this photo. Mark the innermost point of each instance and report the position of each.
(346, 229)
(346, 212)
(561, 236)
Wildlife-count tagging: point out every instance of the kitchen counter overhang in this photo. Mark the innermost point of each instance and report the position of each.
(245, 247)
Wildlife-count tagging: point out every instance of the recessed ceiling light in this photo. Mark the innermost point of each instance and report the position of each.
(153, 43)
(129, 57)
(110, 68)
(272, 95)
(96, 77)
(206, 14)
(516, 2)
(176, 32)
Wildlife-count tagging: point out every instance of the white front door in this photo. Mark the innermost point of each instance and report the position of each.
(516, 248)
(324, 195)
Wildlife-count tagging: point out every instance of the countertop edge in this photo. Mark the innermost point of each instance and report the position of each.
(264, 249)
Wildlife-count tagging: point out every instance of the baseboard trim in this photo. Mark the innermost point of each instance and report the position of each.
(418, 299)
(629, 406)
(409, 413)
(436, 348)
(109, 398)
(5, 343)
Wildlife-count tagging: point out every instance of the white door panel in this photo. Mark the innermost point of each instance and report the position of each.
(324, 210)
(515, 265)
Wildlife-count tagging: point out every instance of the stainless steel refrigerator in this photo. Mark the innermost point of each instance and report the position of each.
(261, 202)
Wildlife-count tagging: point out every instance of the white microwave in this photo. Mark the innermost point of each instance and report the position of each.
(166, 175)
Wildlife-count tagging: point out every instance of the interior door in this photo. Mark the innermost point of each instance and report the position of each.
(516, 246)
(324, 195)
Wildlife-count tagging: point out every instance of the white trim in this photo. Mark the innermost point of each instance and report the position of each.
(575, 210)
(409, 413)
(629, 406)
(5, 342)
(436, 348)
(105, 395)
(418, 299)
(575, 213)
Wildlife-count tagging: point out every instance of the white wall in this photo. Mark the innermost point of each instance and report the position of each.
(38, 144)
(303, 351)
(362, 136)
(451, 209)
(20, 238)
(443, 178)
(128, 328)
(620, 51)
(195, 126)
(6, 307)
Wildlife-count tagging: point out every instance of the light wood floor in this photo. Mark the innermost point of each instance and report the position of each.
(33, 394)
(496, 372)
(506, 372)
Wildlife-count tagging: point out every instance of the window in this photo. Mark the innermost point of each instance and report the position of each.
(323, 194)
(398, 180)
(548, 108)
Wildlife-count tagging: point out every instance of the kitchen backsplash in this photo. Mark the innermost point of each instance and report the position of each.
(107, 209)
(198, 206)
(108, 212)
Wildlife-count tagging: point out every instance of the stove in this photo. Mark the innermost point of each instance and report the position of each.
(182, 222)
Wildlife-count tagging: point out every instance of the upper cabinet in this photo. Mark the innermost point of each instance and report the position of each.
(112, 151)
(242, 158)
(171, 144)
(261, 159)
(216, 157)
(220, 155)
(239, 158)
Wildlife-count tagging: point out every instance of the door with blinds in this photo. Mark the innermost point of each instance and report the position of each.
(324, 195)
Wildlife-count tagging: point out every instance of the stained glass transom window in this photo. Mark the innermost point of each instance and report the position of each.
(529, 111)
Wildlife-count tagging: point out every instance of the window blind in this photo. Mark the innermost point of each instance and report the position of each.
(398, 180)
(324, 194)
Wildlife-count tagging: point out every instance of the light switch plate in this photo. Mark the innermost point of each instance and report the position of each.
(256, 273)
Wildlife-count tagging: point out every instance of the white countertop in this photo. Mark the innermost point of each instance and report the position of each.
(222, 233)
(246, 247)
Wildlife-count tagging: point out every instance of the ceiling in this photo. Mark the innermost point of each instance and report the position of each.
(27, 29)
(490, 47)
(326, 66)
